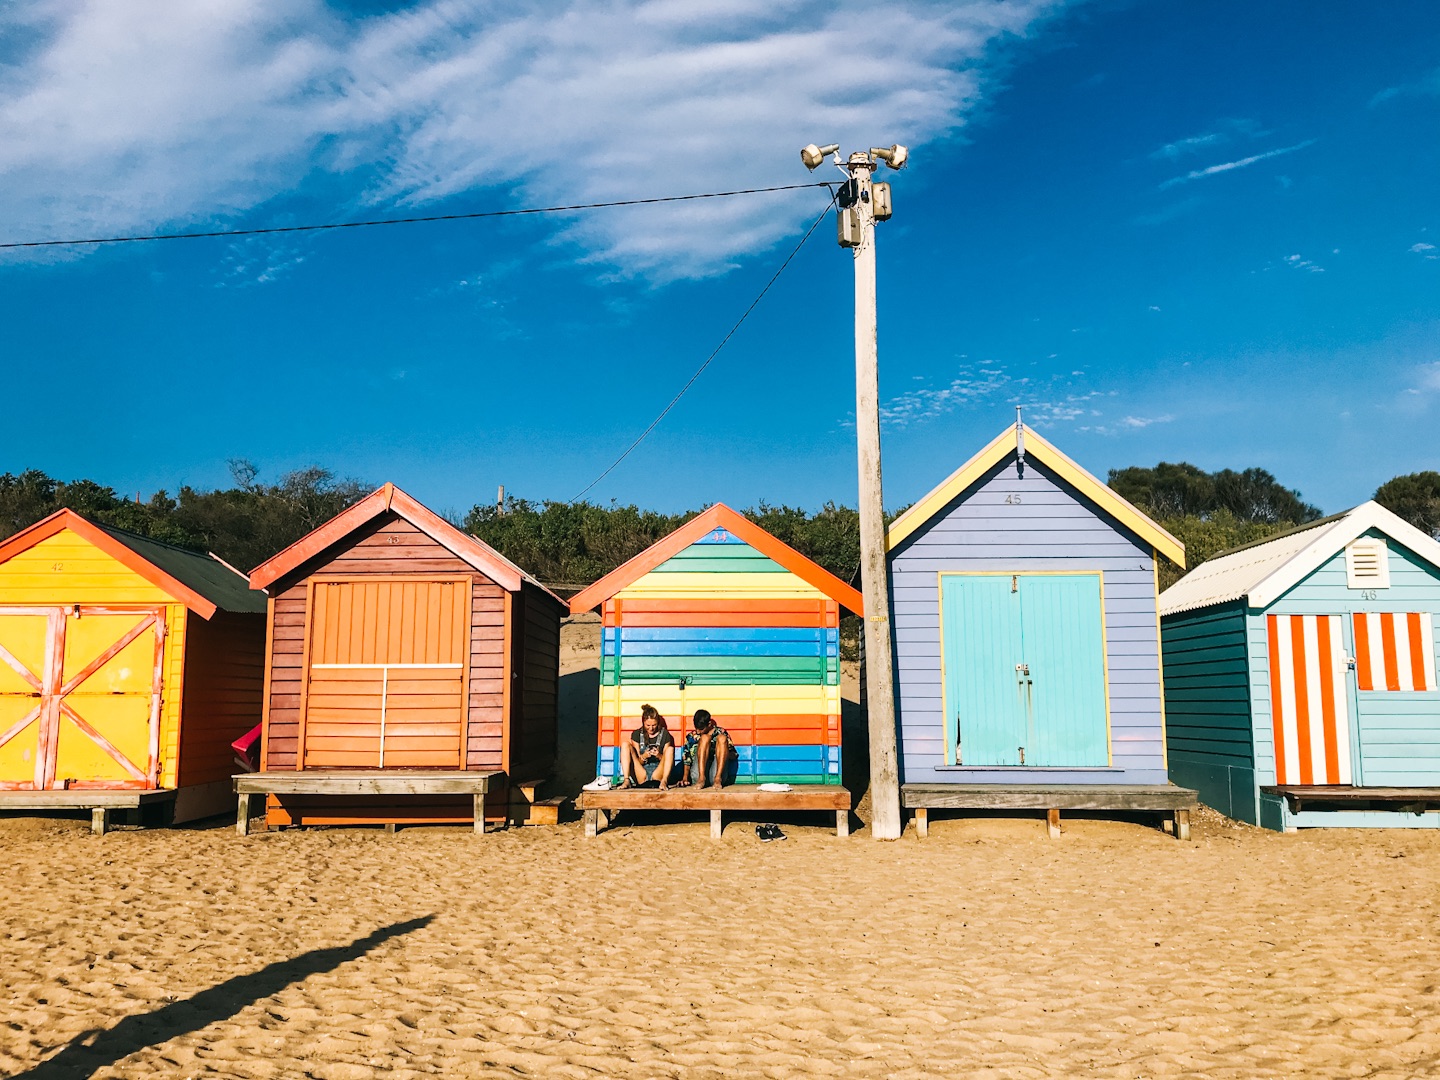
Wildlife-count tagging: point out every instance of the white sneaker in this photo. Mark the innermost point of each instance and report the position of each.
(600, 783)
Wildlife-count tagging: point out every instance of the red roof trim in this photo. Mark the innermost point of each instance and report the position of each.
(389, 498)
(63, 520)
(718, 516)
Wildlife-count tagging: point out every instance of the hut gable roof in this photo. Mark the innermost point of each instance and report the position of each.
(203, 583)
(1040, 449)
(718, 516)
(1262, 572)
(390, 499)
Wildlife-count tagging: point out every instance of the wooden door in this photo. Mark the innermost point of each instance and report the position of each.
(984, 692)
(386, 681)
(1309, 699)
(1023, 660)
(80, 696)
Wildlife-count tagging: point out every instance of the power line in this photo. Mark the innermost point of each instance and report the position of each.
(723, 342)
(406, 220)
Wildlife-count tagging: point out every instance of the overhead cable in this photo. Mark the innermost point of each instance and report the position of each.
(714, 353)
(405, 220)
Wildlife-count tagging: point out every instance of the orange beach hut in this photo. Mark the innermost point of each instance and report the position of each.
(409, 665)
(127, 667)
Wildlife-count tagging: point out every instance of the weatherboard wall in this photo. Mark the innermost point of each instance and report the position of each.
(723, 627)
(1009, 523)
(1209, 730)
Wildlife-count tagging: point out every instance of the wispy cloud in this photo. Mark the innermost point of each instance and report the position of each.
(1424, 250)
(1224, 132)
(1047, 401)
(1230, 166)
(1128, 423)
(119, 115)
(1427, 85)
(1297, 262)
(257, 261)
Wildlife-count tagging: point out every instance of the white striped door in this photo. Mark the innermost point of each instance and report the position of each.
(1308, 699)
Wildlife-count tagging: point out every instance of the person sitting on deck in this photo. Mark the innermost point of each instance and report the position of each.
(648, 756)
(710, 757)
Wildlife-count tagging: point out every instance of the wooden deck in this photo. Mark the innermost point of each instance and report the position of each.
(1176, 802)
(100, 802)
(1418, 799)
(599, 805)
(386, 782)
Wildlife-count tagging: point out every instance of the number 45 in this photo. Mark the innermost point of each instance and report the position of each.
(1012, 500)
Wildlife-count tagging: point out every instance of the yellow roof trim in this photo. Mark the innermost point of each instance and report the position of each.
(1041, 449)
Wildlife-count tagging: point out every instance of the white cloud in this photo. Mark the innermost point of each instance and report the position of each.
(1128, 423)
(1425, 86)
(1297, 262)
(120, 115)
(1225, 131)
(1228, 166)
(1424, 250)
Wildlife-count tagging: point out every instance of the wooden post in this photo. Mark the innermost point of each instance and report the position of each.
(842, 822)
(392, 828)
(885, 820)
(716, 825)
(1052, 819)
(242, 815)
(99, 820)
(922, 822)
(1182, 824)
(479, 813)
(592, 822)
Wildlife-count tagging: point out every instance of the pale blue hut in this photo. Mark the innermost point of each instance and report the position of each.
(1027, 641)
(1300, 676)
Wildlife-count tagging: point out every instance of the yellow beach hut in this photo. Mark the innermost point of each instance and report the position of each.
(127, 667)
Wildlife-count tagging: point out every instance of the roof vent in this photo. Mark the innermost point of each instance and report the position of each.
(1367, 565)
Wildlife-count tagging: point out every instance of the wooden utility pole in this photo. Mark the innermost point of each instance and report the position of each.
(861, 202)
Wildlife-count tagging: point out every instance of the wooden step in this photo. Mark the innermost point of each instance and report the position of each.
(525, 790)
(539, 812)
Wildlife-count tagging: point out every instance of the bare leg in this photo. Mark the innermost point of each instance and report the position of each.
(667, 762)
(723, 749)
(629, 766)
(702, 759)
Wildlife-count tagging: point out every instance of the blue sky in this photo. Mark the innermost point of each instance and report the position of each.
(1202, 232)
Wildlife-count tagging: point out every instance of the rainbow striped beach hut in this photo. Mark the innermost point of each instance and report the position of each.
(1300, 685)
(720, 615)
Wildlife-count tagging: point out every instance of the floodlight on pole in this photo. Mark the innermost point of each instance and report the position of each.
(860, 204)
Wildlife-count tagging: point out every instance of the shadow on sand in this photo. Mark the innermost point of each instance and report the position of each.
(98, 1049)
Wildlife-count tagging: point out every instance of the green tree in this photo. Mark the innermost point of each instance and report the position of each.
(1414, 497)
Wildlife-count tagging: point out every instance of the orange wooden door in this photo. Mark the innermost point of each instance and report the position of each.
(387, 666)
(80, 697)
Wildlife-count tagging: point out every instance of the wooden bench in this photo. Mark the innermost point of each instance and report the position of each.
(249, 786)
(101, 804)
(599, 805)
(1173, 801)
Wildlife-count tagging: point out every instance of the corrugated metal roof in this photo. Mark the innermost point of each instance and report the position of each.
(226, 588)
(1233, 575)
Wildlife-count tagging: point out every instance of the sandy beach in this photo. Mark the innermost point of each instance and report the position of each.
(652, 951)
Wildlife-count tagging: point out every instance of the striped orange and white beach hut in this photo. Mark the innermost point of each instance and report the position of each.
(1300, 684)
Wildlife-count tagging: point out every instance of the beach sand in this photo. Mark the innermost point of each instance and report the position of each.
(653, 951)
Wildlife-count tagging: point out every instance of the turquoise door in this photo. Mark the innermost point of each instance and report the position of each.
(985, 707)
(1024, 670)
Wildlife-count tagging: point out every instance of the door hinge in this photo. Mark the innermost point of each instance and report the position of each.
(1022, 754)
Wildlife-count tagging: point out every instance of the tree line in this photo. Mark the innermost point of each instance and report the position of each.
(569, 545)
